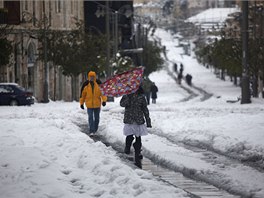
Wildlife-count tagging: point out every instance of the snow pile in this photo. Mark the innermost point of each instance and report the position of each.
(212, 15)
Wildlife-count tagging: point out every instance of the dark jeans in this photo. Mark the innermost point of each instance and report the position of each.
(147, 95)
(93, 118)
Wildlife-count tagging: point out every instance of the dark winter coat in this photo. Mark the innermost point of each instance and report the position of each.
(135, 109)
(154, 90)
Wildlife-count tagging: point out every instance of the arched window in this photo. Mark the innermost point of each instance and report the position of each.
(31, 59)
(31, 55)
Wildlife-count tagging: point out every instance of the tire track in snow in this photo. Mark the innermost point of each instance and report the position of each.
(209, 150)
(220, 162)
(175, 178)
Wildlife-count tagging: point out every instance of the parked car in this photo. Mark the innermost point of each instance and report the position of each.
(13, 94)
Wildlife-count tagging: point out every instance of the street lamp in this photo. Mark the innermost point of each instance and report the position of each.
(46, 84)
(104, 10)
(100, 12)
(245, 76)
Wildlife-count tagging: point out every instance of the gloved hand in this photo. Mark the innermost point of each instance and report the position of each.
(82, 107)
(148, 123)
(103, 103)
(130, 95)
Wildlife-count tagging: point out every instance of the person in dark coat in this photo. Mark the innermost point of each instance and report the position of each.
(188, 78)
(135, 117)
(146, 87)
(175, 67)
(181, 68)
(180, 75)
(154, 90)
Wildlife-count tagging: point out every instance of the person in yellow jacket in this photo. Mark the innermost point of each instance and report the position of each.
(93, 98)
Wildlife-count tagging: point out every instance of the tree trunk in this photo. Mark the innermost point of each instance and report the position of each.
(222, 74)
(260, 87)
(55, 83)
(235, 79)
(74, 88)
(255, 87)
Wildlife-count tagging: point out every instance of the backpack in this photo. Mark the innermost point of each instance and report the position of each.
(86, 83)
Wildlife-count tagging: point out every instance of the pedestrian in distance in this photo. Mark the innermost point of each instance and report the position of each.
(181, 68)
(135, 117)
(175, 67)
(93, 99)
(180, 78)
(180, 75)
(154, 90)
(147, 88)
(188, 78)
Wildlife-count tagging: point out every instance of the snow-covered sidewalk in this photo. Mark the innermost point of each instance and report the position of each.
(44, 154)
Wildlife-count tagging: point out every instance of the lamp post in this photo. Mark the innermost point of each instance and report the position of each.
(105, 10)
(46, 84)
(245, 73)
(107, 40)
(116, 34)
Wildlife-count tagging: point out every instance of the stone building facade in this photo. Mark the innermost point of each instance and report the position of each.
(25, 68)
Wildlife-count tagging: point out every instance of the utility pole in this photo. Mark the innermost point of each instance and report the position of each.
(245, 72)
(261, 37)
(116, 34)
(107, 40)
(46, 84)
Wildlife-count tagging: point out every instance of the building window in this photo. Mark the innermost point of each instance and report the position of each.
(34, 13)
(13, 12)
(26, 5)
(50, 10)
(72, 7)
(64, 14)
(77, 9)
(31, 55)
(58, 6)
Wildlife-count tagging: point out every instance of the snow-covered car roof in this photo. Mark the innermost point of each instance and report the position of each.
(7, 83)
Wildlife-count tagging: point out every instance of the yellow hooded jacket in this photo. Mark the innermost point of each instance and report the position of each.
(92, 97)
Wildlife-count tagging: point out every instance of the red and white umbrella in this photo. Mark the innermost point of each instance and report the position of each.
(122, 84)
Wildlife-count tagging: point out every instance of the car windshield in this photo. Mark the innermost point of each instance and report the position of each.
(2, 90)
(21, 88)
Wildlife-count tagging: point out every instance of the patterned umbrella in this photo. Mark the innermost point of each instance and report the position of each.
(122, 84)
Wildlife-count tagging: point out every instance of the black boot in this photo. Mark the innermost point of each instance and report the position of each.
(138, 139)
(129, 140)
(138, 156)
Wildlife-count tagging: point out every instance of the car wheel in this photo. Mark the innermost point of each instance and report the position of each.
(13, 103)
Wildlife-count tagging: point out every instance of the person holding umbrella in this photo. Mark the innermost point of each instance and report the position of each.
(135, 117)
